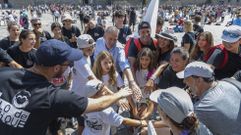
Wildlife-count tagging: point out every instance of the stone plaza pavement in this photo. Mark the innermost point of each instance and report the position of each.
(47, 19)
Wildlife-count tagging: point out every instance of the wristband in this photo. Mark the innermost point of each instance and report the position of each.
(100, 86)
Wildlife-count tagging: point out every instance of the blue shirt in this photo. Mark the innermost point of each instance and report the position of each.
(236, 21)
(116, 51)
(219, 109)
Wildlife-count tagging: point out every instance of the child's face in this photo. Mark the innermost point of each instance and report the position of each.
(14, 31)
(88, 51)
(119, 19)
(145, 62)
(106, 65)
(57, 31)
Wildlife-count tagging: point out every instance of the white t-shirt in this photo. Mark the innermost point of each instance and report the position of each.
(141, 80)
(56, 13)
(99, 123)
(119, 82)
(81, 72)
(11, 18)
(141, 77)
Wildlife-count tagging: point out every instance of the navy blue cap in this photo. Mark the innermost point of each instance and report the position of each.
(143, 25)
(53, 52)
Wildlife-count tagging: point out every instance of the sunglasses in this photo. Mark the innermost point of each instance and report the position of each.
(37, 24)
(232, 35)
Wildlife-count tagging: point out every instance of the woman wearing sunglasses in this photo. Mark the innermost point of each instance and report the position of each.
(177, 113)
(41, 35)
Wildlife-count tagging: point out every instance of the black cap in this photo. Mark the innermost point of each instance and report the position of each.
(143, 25)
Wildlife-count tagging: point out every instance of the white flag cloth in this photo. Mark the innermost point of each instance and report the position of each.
(151, 15)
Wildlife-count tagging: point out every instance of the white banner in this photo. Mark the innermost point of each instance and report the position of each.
(151, 15)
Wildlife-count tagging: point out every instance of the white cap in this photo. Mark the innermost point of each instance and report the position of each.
(231, 34)
(85, 40)
(67, 17)
(90, 88)
(196, 68)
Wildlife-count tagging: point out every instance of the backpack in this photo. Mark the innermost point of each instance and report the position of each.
(234, 82)
(193, 40)
(21, 22)
(136, 43)
(197, 30)
(225, 52)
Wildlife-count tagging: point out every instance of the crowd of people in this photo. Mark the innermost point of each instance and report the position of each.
(104, 77)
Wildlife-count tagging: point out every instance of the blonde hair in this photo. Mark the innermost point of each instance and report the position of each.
(97, 69)
(188, 27)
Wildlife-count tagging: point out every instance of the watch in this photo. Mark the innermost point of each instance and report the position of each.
(100, 86)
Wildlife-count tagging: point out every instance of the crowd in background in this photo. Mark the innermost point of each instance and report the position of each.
(196, 99)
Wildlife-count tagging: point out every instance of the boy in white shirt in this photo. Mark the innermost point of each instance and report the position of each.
(82, 68)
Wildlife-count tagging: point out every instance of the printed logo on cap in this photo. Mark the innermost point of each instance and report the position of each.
(144, 25)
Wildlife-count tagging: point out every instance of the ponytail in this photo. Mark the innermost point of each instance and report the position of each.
(189, 125)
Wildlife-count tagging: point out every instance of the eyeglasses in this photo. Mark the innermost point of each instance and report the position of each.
(232, 35)
(37, 24)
